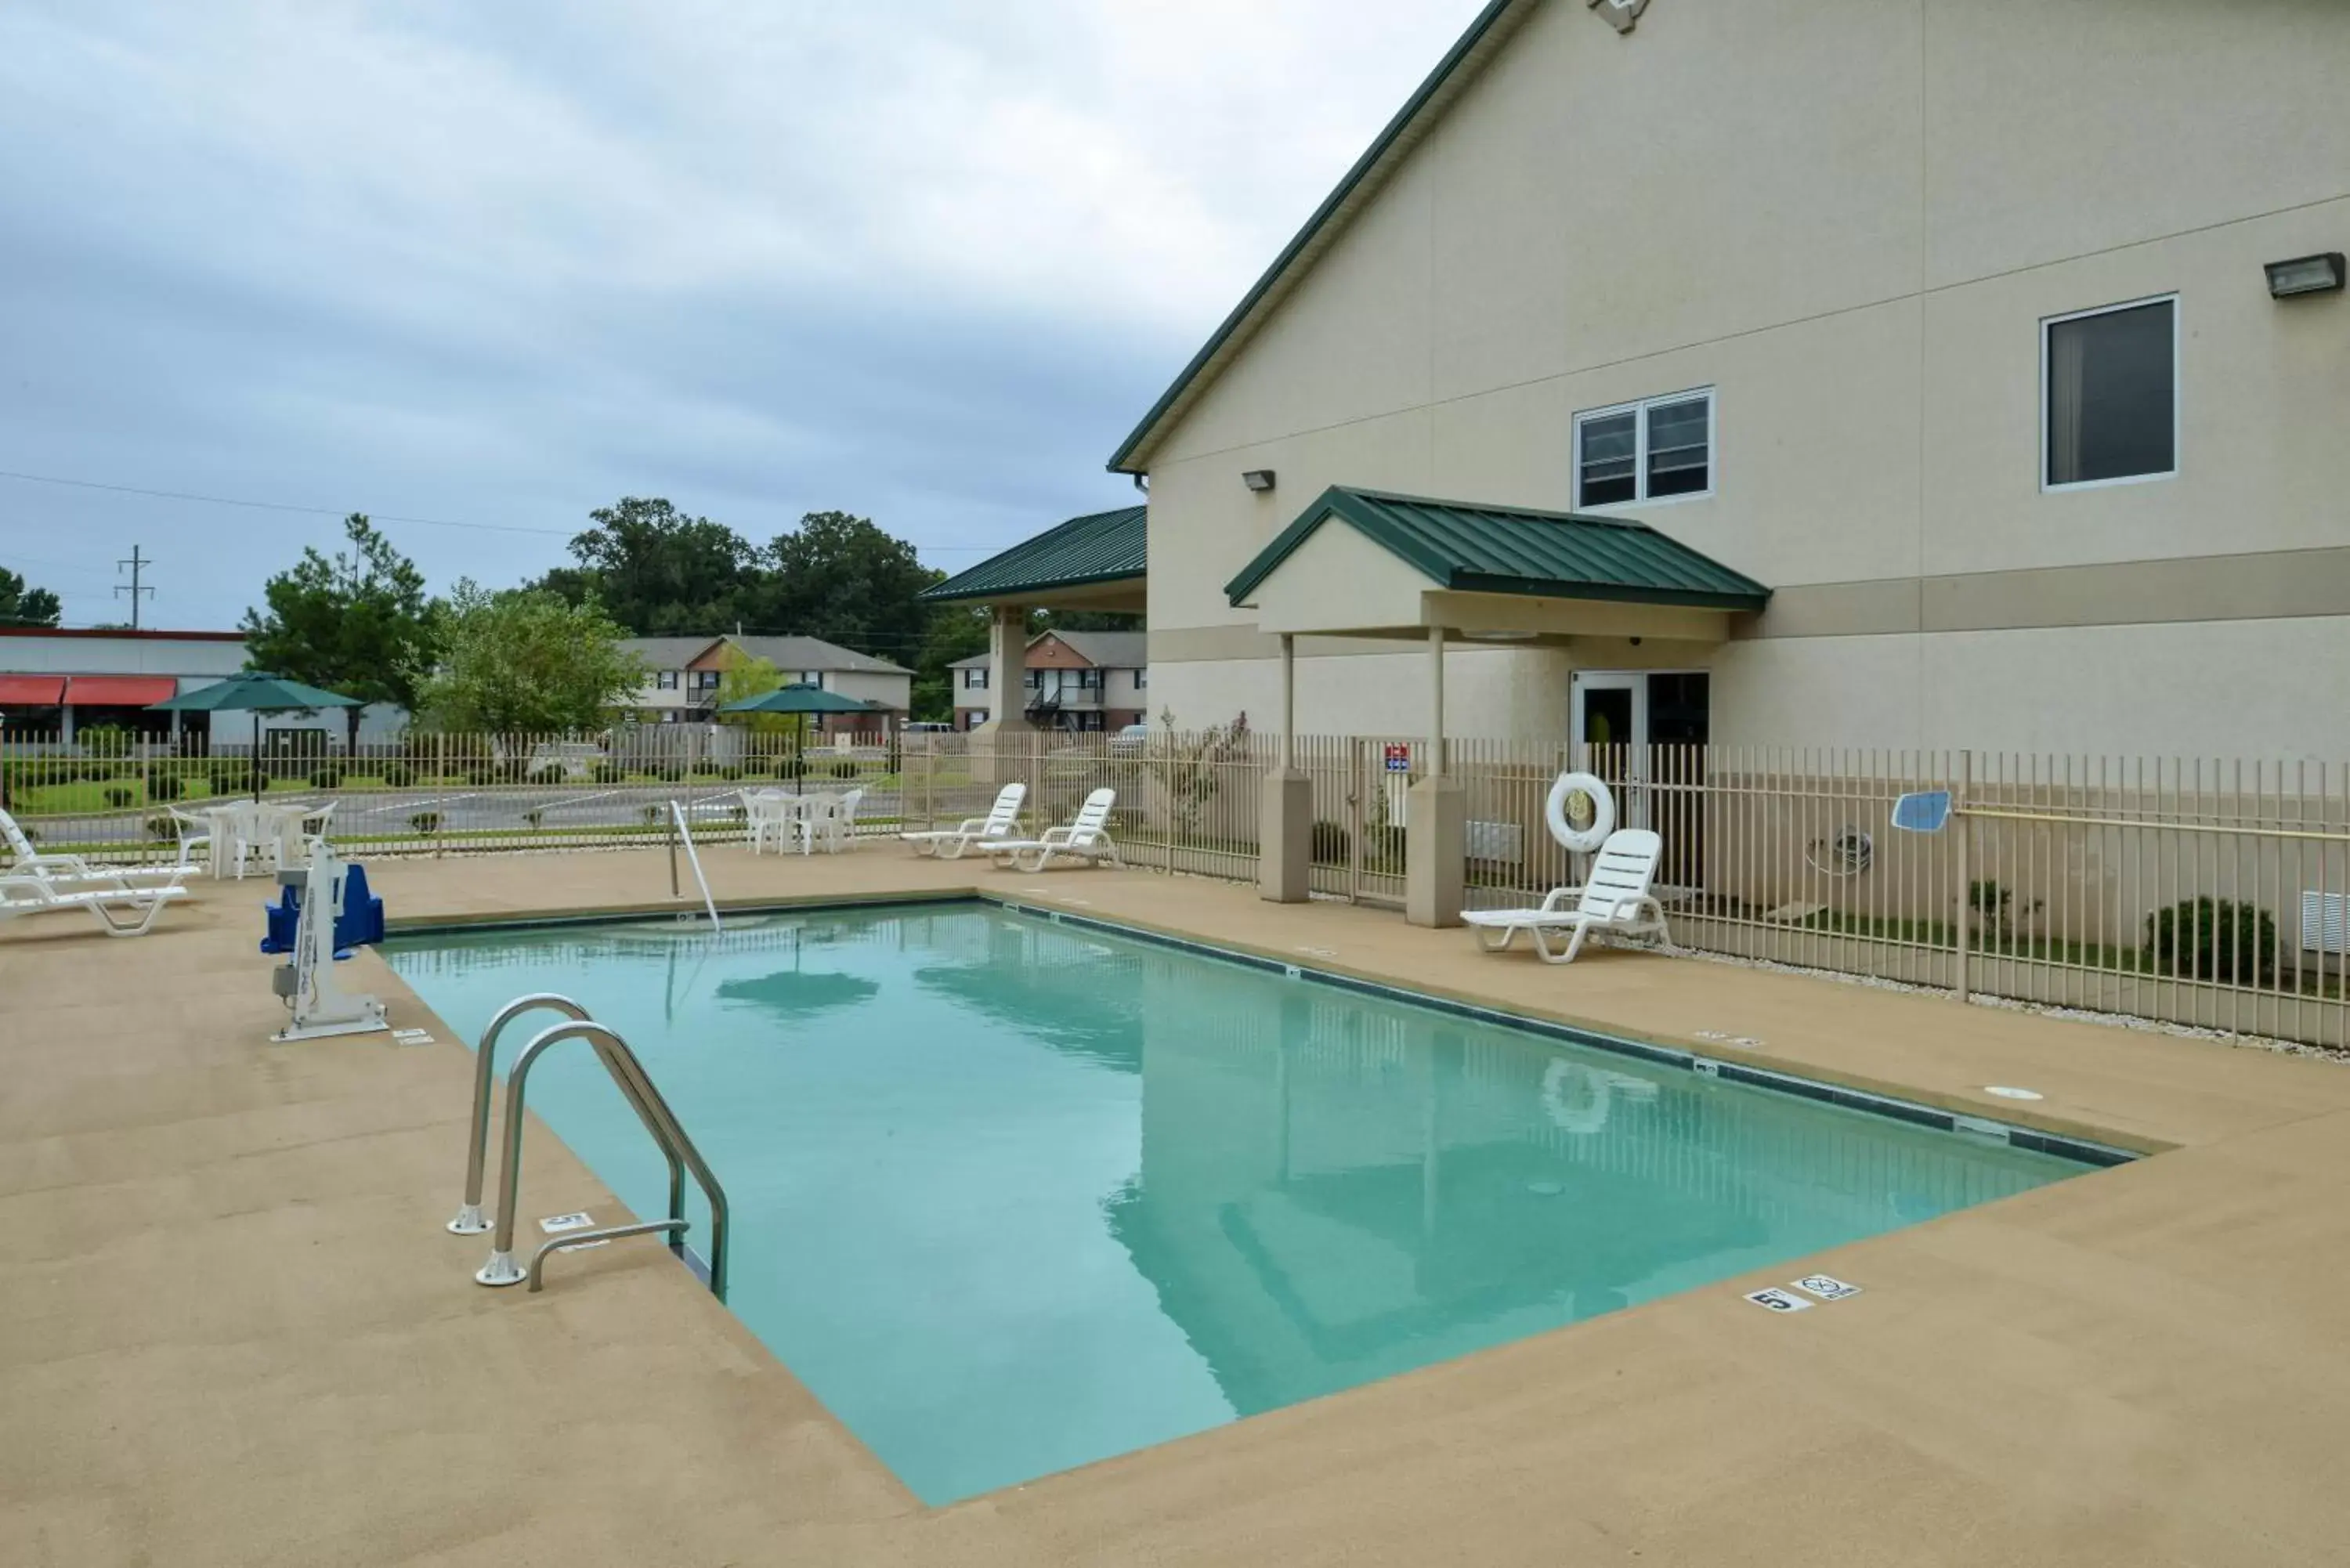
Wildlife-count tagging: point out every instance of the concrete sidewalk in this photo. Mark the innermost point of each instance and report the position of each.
(232, 1332)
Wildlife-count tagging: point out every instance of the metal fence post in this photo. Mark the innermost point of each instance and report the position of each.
(1966, 867)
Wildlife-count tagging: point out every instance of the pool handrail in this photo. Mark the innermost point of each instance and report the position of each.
(470, 1220)
(677, 818)
(637, 1088)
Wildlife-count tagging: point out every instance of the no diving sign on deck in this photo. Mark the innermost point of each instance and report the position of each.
(1817, 1287)
(1399, 757)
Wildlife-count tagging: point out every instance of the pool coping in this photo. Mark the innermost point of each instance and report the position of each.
(2091, 1152)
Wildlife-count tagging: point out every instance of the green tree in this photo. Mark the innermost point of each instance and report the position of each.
(24, 605)
(842, 579)
(956, 631)
(360, 624)
(656, 570)
(525, 661)
(741, 678)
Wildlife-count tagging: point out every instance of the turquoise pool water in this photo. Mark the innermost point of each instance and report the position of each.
(1010, 1195)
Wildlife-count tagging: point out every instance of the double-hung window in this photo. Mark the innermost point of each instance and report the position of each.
(1661, 449)
(666, 680)
(2109, 395)
(974, 680)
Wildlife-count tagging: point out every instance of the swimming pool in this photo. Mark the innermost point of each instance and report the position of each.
(1011, 1194)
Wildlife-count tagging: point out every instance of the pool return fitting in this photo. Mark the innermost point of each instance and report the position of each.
(629, 1075)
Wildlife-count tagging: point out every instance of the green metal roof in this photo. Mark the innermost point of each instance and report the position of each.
(1507, 550)
(1492, 26)
(1101, 548)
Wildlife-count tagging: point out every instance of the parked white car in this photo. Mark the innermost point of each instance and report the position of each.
(1130, 739)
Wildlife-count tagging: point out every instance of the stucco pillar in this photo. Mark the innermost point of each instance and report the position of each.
(1284, 865)
(999, 748)
(1436, 819)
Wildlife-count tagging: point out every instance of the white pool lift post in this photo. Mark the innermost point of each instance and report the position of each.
(322, 1009)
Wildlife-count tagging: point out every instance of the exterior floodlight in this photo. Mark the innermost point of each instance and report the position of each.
(2306, 274)
(1258, 479)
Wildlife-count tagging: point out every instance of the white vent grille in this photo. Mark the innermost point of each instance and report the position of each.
(1501, 841)
(2325, 922)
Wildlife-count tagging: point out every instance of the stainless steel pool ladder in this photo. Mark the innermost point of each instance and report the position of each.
(636, 1087)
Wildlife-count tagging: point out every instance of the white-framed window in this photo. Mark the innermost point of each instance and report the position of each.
(1089, 679)
(2109, 395)
(975, 680)
(1660, 449)
(666, 680)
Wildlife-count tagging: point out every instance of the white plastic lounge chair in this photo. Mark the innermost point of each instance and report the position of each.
(33, 896)
(1615, 901)
(1086, 838)
(67, 873)
(949, 844)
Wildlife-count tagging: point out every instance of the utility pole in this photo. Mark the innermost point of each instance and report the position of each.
(137, 564)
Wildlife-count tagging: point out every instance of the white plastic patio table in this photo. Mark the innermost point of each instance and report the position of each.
(256, 823)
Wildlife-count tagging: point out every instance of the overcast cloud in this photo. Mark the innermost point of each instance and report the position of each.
(500, 263)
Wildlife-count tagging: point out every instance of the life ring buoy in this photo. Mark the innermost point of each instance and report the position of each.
(1575, 1097)
(1584, 840)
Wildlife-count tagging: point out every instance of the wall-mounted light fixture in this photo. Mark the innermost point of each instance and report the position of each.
(2306, 274)
(1258, 479)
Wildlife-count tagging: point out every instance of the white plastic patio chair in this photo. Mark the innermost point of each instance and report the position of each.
(1615, 901)
(30, 895)
(1086, 838)
(69, 872)
(1002, 820)
(195, 835)
(831, 822)
(767, 815)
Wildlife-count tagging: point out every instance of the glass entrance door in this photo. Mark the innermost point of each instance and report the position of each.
(1644, 732)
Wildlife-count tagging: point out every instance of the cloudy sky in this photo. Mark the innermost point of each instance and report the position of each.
(497, 263)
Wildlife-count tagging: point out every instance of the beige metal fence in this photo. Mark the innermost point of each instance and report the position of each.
(2207, 893)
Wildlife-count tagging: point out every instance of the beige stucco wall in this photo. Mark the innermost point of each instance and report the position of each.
(893, 691)
(1848, 217)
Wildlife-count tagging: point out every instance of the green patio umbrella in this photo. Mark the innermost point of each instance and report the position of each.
(257, 693)
(800, 696)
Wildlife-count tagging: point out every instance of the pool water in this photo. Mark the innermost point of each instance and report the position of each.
(1010, 1195)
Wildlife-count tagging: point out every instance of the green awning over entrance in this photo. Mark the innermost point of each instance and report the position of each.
(1467, 548)
(1092, 551)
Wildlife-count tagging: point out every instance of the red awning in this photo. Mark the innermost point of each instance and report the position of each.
(119, 690)
(32, 691)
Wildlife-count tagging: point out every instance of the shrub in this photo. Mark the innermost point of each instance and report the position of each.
(399, 775)
(791, 768)
(326, 776)
(2207, 938)
(166, 786)
(533, 816)
(426, 822)
(730, 772)
(1332, 844)
(610, 773)
(668, 772)
(120, 795)
(655, 816)
(707, 769)
(552, 773)
(844, 769)
(482, 773)
(165, 827)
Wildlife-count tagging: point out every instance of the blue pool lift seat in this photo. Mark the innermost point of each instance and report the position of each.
(359, 925)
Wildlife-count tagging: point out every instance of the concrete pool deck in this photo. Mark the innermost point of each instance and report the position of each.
(232, 1332)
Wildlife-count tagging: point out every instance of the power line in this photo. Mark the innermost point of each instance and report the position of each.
(374, 516)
